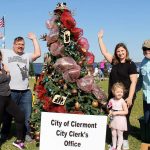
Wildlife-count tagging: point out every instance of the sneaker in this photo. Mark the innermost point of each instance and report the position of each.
(109, 146)
(28, 138)
(112, 148)
(125, 145)
(19, 144)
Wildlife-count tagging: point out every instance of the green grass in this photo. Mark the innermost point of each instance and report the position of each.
(134, 137)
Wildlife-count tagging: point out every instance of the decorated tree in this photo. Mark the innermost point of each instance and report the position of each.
(66, 84)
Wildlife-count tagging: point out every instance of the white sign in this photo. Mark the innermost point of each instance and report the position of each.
(72, 131)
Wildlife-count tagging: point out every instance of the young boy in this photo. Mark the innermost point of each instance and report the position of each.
(144, 80)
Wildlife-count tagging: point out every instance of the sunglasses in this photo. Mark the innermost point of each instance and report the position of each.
(145, 49)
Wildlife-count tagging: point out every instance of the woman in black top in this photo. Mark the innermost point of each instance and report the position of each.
(6, 104)
(123, 70)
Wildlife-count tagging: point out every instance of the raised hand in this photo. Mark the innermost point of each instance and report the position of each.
(100, 34)
(31, 36)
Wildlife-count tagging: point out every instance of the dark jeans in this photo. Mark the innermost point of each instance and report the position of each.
(146, 108)
(6, 104)
(24, 100)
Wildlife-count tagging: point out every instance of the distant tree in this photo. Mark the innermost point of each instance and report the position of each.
(31, 70)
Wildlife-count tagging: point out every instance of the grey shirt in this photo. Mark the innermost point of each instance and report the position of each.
(18, 66)
(4, 83)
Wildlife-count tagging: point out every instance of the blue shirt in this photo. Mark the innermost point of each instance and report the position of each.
(144, 79)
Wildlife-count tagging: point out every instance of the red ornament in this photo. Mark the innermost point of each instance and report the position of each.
(83, 45)
(37, 138)
(90, 58)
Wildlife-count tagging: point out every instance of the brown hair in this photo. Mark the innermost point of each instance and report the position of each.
(0, 55)
(116, 60)
(19, 38)
(118, 85)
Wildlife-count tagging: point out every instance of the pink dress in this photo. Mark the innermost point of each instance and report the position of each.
(118, 122)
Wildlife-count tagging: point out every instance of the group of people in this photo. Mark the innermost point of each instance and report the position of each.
(15, 95)
(123, 85)
(102, 70)
(99, 71)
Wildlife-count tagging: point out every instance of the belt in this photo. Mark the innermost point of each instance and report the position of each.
(19, 91)
(114, 110)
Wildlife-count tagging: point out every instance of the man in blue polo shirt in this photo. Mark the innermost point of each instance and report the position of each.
(144, 80)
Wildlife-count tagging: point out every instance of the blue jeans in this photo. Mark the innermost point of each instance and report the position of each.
(146, 108)
(24, 100)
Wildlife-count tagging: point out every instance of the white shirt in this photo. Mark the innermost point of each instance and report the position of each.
(19, 68)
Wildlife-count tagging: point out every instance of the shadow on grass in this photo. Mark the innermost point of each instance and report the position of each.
(134, 132)
(11, 134)
(4, 138)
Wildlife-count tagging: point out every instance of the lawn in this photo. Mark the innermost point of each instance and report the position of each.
(134, 138)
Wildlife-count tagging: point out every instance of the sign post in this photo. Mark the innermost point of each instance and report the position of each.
(72, 131)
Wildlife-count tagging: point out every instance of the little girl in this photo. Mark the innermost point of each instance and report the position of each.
(118, 122)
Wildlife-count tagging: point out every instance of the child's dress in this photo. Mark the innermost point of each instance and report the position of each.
(119, 121)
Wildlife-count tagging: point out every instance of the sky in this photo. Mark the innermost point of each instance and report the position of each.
(126, 21)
